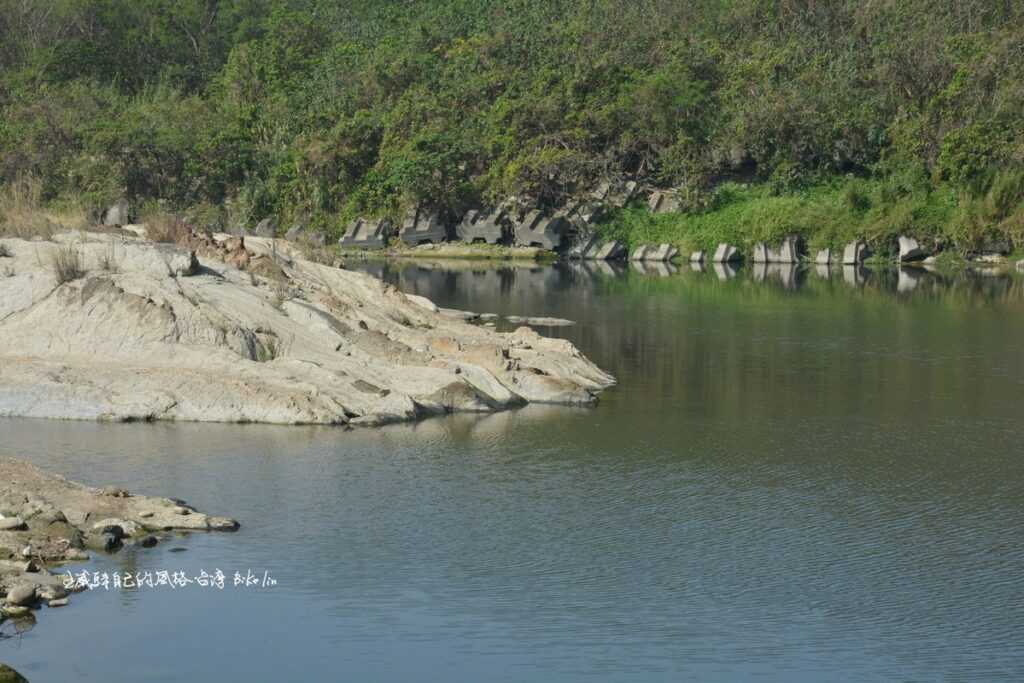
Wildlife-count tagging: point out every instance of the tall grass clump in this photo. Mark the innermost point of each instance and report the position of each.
(162, 226)
(23, 214)
(67, 265)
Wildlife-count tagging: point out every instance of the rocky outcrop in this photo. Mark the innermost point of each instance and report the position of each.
(63, 519)
(251, 332)
(697, 257)
(823, 257)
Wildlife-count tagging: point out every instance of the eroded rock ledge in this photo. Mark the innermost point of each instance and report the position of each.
(46, 521)
(250, 332)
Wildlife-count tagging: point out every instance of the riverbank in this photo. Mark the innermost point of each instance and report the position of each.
(834, 213)
(47, 522)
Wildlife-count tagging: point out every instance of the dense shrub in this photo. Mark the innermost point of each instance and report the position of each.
(315, 110)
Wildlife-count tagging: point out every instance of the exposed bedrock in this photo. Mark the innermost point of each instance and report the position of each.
(153, 332)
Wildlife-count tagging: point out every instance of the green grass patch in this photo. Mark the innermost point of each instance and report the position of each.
(826, 215)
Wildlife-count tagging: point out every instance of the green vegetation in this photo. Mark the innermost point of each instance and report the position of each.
(772, 116)
(825, 215)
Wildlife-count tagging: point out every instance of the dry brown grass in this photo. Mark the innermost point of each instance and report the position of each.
(67, 264)
(162, 226)
(23, 215)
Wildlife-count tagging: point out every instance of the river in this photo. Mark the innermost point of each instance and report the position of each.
(800, 476)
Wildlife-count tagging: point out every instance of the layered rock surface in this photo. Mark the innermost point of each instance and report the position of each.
(151, 332)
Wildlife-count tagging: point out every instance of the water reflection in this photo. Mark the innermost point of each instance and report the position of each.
(726, 271)
(795, 479)
(790, 275)
(906, 283)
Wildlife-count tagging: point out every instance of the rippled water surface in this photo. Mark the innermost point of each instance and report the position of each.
(800, 477)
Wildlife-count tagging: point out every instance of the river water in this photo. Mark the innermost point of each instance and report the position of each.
(800, 477)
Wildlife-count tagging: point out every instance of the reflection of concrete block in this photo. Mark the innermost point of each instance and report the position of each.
(657, 268)
(421, 227)
(786, 273)
(364, 234)
(603, 268)
(908, 280)
(536, 231)
(724, 270)
(477, 226)
(855, 275)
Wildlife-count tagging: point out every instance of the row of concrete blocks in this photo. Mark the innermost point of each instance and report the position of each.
(857, 252)
(494, 227)
(789, 251)
(535, 230)
(592, 250)
(418, 227)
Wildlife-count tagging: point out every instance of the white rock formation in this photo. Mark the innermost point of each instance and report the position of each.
(148, 333)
